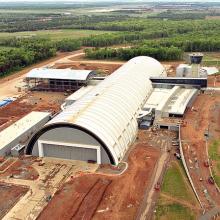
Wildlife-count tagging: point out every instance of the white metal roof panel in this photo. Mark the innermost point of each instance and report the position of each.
(110, 109)
(65, 74)
(79, 93)
(179, 106)
(20, 127)
(210, 70)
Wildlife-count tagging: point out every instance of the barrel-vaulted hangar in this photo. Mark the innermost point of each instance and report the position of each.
(102, 124)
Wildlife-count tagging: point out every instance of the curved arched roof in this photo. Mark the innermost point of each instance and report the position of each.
(109, 111)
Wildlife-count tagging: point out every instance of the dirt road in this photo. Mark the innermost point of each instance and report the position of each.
(9, 85)
(194, 146)
(161, 165)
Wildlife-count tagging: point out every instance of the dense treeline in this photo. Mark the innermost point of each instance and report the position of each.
(114, 39)
(29, 53)
(153, 29)
(161, 39)
(41, 45)
(152, 25)
(159, 53)
(67, 45)
(206, 41)
(180, 15)
(27, 22)
(14, 59)
(24, 52)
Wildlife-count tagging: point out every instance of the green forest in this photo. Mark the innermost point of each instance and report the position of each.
(164, 36)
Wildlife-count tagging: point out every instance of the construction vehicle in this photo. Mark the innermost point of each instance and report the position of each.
(211, 180)
(206, 164)
(175, 144)
(177, 155)
(157, 186)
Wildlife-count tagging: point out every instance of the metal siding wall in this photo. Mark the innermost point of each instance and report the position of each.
(71, 153)
(25, 137)
(70, 135)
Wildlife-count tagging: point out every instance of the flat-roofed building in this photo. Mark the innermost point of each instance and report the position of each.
(21, 131)
(48, 79)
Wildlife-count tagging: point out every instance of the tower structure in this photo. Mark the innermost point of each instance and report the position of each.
(196, 60)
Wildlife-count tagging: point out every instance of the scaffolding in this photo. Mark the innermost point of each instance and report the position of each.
(57, 80)
(56, 85)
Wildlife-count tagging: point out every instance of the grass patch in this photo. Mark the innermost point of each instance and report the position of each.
(54, 34)
(214, 151)
(211, 59)
(173, 211)
(214, 154)
(175, 185)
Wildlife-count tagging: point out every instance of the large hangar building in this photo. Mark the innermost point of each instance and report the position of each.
(103, 123)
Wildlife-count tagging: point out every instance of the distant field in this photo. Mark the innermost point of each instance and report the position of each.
(211, 59)
(212, 17)
(54, 34)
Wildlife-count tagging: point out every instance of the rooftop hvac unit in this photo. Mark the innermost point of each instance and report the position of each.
(17, 150)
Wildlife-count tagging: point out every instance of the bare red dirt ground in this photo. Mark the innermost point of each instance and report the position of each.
(194, 145)
(83, 65)
(33, 101)
(100, 196)
(6, 163)
(173, 65)
(21, 169)
(214, 81)
(10, 194)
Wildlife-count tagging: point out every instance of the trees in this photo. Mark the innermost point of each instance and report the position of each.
(13, 59)
(29, 51)
(68, 45)
(160, 53)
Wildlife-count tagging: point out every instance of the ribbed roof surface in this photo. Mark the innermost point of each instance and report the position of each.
(64, 74)
(111, 108)
(20, 127)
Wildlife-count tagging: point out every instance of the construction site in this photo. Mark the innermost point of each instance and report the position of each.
(87, 139)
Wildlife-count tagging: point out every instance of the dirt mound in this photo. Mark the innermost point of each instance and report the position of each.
(100, 196)
(10, 194)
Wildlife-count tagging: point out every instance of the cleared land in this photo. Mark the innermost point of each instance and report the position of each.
(17, 79)
(54, 34)
(119, 197)
(206, 111)
(51, 175)
(10, 194)
(33, 101)
(100, 195)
